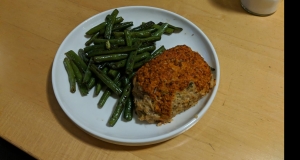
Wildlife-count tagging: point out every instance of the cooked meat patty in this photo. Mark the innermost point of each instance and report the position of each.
(170, 84)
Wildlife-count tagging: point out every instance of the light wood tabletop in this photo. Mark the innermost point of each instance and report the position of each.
(245, 120)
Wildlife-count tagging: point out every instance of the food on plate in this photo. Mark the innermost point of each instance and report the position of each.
(170, 84)
(114, 51)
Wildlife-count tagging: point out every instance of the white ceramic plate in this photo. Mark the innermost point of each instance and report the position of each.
(83, 111)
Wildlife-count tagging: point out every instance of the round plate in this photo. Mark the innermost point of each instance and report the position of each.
(84, 112)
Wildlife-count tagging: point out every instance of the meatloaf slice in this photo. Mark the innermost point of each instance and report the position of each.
(170, 84)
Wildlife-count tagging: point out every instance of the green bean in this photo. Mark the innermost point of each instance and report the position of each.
(139, 64)
(78, 75)
(120, 105)
(101, 26)
(106, 80)
(111, 41)
(116, 50)
(71, 74)
(83, 56)
(108, 92)
(77, 60)
(147, 39)
(110, 23)
(103, 66)
(124, 80)
(127, 37)
(100, 46)
(130, 62)
(159, 51)
(77, 72)
(105, 70)
(99, 83)
(110, 57)
(141, 56)
(128, 109)
(122, 26)
(107, 18)
(87, 74)
(151, 30)
(91, 40)
(143, 26)
(175, 29)
(96, 29)
(91, 83)
(98, 88)
(122, 63)
(107, 44)
(82, 89)
(138, 34)
(131, 75)
(113, 73)
(161, 30)
(166, 31)
(150, 49)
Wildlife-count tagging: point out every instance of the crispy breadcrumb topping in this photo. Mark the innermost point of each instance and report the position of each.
(173, 71)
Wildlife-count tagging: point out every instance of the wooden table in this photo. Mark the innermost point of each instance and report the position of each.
(245, 121)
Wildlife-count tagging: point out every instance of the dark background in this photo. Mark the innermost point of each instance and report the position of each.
(11, 152)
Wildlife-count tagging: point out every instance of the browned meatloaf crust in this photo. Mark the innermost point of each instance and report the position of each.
(170, 84)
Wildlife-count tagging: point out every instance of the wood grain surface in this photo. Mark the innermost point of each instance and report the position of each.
(245, 121)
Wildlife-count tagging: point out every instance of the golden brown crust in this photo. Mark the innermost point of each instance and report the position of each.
(172, 72)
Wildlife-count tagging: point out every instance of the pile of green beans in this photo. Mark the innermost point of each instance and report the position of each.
(113, 53)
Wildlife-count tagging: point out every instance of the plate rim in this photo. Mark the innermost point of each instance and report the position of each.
(151, 140)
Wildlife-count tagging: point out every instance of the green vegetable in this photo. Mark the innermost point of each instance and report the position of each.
(143, 26)
(110, 57)
(175, 29)
(113, 73)
(101, 26)
(77, 72)
(91, 83)
(100, 41)
(166, 31)
(108, 91)
(130, 62)
(110, 23)
(96, 29)
(91, 40)
(138, 34)
(82, 89)
(128, 109)
(116, 50)
(71, 74)
(83, 56)
(150, 49)
(120, 105)
(87, 74)
(148, 39)
(127, 37)
(161, 30)
(122, 63)
(77, 60)
(106, 80)
(98, 88)
(159, 51)
(122, 26)
(100, 46)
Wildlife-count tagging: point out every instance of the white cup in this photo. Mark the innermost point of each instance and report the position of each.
(260, 7)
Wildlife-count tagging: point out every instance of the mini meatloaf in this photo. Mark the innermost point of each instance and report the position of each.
(170, 84)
